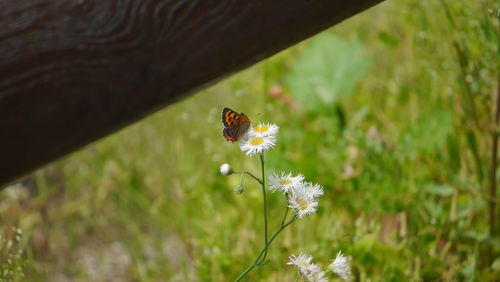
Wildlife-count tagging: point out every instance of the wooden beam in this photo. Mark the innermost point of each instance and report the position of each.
(73, 71)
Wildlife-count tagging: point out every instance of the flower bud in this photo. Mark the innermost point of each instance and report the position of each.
(238, 189)
(226, 169)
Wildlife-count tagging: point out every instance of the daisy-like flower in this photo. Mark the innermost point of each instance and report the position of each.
(302, 262)
(264, 129)
(257, 144)
(226, 169)
(310, 190)
(284, 182)
(312, 272)
(316, 274)
(341, 266)
(302, 203)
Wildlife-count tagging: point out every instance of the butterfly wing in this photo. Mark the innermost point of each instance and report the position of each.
(229, 117)
(235, 125)
(230, 133)
(243, 126)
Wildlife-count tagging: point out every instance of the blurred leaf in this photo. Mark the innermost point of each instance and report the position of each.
(440, 190)
(328, 69)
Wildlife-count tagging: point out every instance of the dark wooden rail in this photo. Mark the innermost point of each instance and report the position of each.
(72, 71)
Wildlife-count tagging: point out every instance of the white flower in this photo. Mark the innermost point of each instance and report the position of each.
(226, 169)
(284, 182)
(302, 261)
(302, 203)
(264, 129)
(257, 144)
(316, 274)
(311, 191)
(341, 266)
(312, 272)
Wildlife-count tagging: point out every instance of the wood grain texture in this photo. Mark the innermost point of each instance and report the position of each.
(72, 71)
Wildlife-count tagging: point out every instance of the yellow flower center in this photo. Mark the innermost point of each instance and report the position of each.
(303, 204)
(257, 141)
(261, 128)
(286, 181)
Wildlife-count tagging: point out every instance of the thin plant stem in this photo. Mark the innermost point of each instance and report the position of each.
(286, 212)
(260, 260)
(256, 262)
(263, 183)
(281, 226)
(251, 175)
(284, 218)
(277, 233)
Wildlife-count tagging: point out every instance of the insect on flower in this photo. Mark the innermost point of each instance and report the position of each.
(235, 124)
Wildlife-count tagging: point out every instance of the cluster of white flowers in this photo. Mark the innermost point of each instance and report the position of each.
(310, 271)
(313, 273)
(303, 196)
(259, 138)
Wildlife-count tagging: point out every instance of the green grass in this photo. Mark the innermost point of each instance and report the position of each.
(148, 203)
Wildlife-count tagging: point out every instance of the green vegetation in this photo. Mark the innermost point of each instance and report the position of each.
(11, 256)
(391, 111)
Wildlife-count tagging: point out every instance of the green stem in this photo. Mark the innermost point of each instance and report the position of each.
(286, 212)
(263, 183)
(276, 234)
(253, 176)
(256, 262)
(260, 259)
(241, 179)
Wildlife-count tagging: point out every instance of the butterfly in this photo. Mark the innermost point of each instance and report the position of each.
(235, 125)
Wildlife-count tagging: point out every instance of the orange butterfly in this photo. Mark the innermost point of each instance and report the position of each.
(235, 125)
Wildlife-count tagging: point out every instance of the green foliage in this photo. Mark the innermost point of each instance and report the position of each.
(12, 262)
(428, 133)
(327, 70)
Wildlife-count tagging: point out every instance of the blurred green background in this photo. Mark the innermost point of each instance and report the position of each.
(391, 111)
